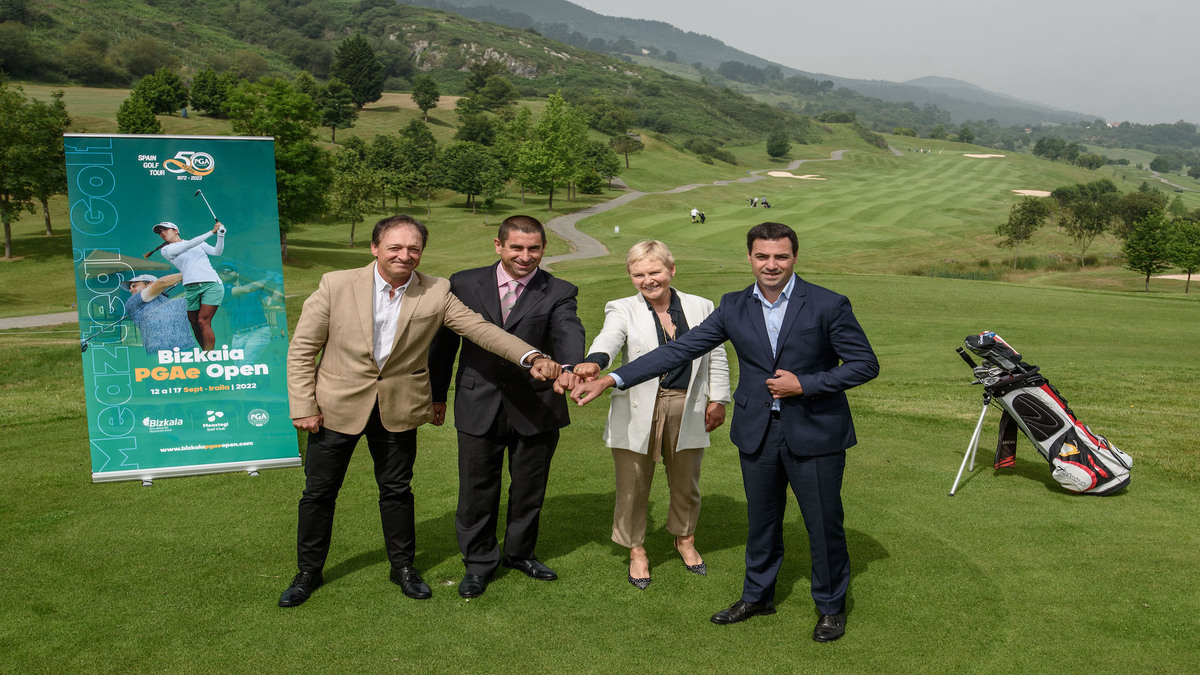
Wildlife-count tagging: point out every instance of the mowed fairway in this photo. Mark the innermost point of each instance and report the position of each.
(1011, 575)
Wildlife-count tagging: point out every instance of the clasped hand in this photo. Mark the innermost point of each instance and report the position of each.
(784, 384)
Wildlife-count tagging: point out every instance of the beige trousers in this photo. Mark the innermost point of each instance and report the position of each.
(635, 473)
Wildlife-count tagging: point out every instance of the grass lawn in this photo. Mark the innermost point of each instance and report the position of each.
(1007, 576)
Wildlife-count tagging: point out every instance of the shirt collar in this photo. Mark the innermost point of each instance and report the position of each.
(674, 307)
(382, 284)
(503, 277)
(784, 296)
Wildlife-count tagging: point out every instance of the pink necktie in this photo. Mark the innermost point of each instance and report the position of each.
(508, 300)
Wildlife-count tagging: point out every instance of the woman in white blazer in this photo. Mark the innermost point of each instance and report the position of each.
(666, 420)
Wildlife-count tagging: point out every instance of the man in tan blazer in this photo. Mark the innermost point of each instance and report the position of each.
(373, 327)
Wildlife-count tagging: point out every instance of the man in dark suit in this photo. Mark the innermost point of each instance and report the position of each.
(799, 349)
(498, 406)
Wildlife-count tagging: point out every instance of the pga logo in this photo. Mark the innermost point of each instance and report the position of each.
(258, 417)
(188, 161)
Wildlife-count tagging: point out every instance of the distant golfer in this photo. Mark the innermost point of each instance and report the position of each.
(695, 214)
(162, 321)
(201, 285)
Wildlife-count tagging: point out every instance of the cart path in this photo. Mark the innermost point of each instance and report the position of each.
(582, 246)
(585, 246)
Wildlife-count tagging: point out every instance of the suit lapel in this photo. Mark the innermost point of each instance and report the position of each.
(408, 305)
(754, 310)
(534, 291)
(364, 302)
(488, 293)
(795, 303)
(643, 323)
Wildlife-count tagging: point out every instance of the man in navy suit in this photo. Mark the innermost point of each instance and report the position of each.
(499, 406)
(799, 349)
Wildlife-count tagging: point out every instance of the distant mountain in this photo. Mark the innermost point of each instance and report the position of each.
(559, 19)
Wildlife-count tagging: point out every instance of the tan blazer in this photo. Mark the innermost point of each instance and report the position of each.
(338, 323)
(630, 333)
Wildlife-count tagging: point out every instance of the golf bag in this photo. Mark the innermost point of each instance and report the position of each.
(1080, 460)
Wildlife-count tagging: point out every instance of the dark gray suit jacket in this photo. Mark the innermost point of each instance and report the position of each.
(545, 317)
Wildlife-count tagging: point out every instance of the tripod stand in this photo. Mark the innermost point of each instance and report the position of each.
(969, 455)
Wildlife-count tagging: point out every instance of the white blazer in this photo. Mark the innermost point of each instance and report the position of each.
(629, 329)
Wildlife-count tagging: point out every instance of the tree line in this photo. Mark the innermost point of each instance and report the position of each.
(1156, 234)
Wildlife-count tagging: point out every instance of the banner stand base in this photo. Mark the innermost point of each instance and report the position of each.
(147, 476)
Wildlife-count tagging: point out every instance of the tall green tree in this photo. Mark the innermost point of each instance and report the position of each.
(1024, 219)
(336, 107)
(1087, 210)
(164, 91)
(210, 91)
(476, 127)
(303, 171)
(385, 156)
(1134, 207)
(355, 64)
(425, 95)
(546, 162)
(1148, 247)
(16, 163)
(49, 123)
(625, 144)
(135, 117)
(467, 166)
(354, 186)
(777, 143)
(1185, 249)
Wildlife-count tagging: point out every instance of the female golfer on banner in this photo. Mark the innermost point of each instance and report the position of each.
(201, 284)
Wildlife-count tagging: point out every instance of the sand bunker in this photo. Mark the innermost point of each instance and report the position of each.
(1033, 193)
(789, 174)
(980, 156)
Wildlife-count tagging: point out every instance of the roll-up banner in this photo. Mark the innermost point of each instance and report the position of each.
(182, 323)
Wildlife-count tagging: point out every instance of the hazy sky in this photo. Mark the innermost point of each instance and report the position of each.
(1136, 61)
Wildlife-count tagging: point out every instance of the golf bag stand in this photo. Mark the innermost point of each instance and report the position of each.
(969, 455)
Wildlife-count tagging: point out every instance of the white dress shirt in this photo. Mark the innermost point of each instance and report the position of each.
(387, 310)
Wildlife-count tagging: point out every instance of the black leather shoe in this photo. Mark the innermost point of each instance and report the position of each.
(411, 583)
(532, 568)
(741, 610)
(830, 627)
(472, 586)
(303, 585)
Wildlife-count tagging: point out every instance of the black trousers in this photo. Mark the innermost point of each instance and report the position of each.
(817, 484)
(480, 473)
(324, 470)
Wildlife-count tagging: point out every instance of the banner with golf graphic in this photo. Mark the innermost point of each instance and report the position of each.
(179, 286)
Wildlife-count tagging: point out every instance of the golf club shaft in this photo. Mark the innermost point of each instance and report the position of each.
(210, 208)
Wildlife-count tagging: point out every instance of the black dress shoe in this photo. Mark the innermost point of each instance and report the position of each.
(531, 567)
(742, 610)
(830, 627)
(640, 583)
(303, 585)
(472, 586)
(411, 583)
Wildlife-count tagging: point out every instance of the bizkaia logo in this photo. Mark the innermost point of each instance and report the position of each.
(191, 162)
(161, 424)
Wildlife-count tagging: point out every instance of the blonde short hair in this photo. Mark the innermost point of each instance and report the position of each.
(649, 249)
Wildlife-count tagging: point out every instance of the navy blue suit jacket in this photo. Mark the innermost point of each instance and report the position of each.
(820, 342)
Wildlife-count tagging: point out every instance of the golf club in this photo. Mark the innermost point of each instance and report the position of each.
(200, 193)
(83, 344)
